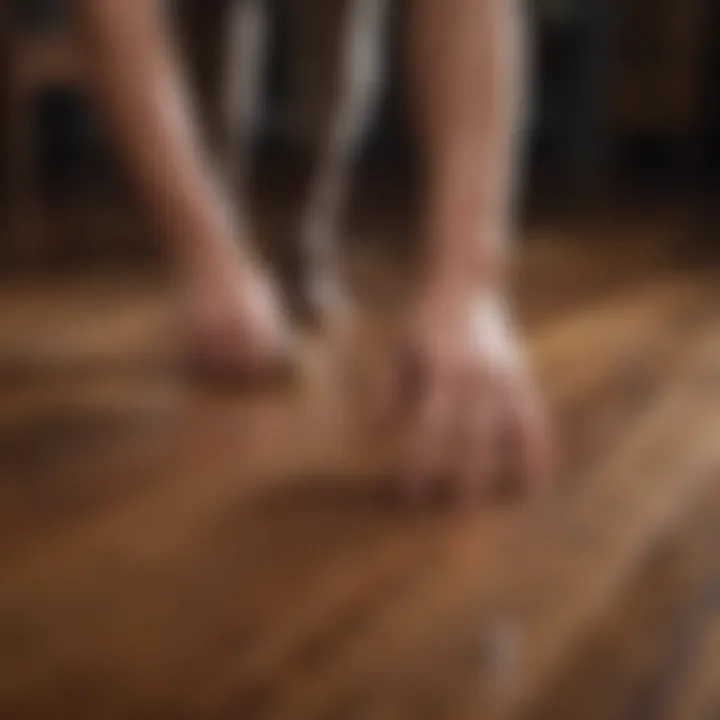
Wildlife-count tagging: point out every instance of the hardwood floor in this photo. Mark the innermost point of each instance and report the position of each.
(174, 550)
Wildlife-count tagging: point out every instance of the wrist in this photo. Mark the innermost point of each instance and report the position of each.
(459, 274)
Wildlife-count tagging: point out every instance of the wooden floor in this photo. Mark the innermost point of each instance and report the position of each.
(175, 551)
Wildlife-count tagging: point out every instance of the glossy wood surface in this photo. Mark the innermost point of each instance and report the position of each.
(174, 550)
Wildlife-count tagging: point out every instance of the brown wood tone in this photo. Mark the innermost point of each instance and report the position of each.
(175, 550)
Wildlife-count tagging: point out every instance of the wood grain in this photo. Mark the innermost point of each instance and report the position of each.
(180, 551)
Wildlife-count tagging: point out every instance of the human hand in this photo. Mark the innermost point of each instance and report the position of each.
(236, 324)
(460, 380)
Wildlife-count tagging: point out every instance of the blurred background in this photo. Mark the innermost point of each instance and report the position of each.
(627, 110)
(172, 548)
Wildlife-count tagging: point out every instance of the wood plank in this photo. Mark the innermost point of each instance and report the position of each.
(243, 558)
(652, 654)
(156, 426)
(611, 520)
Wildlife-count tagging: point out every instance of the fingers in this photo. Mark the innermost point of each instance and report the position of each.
(456, 435)
(427, 446)
(399, 388)
(479, 442)
(454, 417)
(530, 441)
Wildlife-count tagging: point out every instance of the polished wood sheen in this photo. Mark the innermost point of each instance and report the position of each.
(170, 549)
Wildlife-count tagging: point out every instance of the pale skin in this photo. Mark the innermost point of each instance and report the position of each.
(470, 383)
(473, 387)
(231, 313)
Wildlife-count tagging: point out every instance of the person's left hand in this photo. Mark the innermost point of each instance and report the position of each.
(460, 380)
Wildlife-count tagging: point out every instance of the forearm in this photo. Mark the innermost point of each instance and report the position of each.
(467, 69)
(139, 82)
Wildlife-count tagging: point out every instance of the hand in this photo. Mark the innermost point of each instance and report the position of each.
(461, 380)
(236, 323)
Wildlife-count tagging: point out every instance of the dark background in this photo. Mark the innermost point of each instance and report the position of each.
(627, 100)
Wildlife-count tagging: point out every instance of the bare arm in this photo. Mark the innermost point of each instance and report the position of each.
(138, 78)
(471, 391)
(233, 321)
(467, 66)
